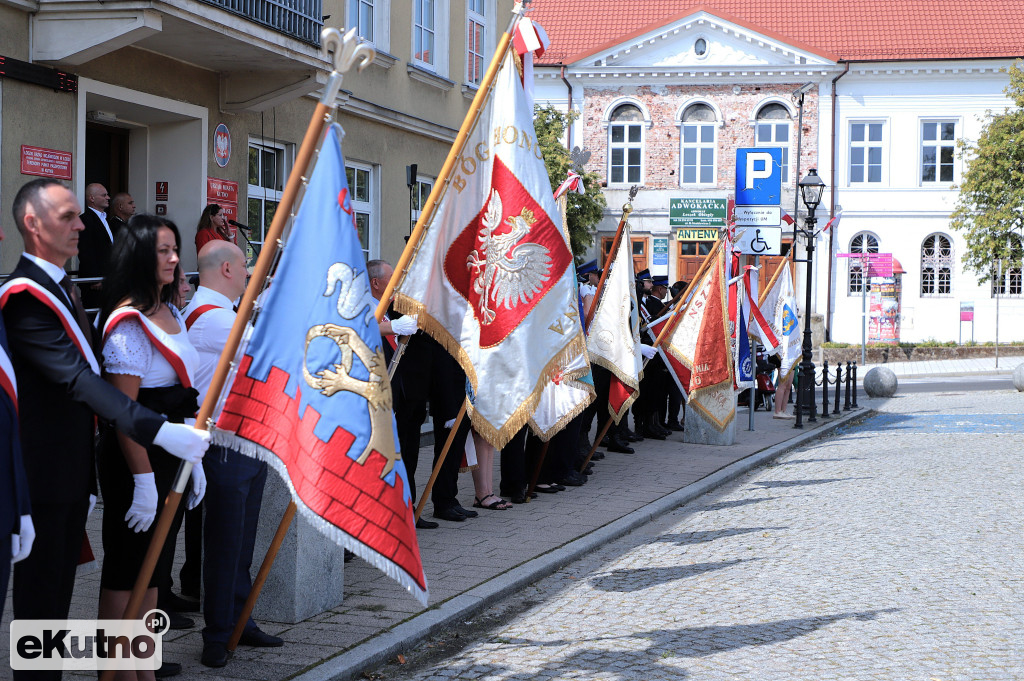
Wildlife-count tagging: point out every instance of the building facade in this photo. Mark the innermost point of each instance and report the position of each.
(187, 103)
(669, 91)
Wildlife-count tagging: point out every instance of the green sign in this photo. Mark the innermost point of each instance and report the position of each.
(697, 212)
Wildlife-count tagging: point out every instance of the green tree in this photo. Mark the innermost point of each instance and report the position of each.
(583, 211)
(990, 209)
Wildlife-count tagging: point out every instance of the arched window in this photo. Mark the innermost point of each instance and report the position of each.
(772, 129)
(698, 145)
(861, 243)
(1011, 281)
(626, 145)
(936, 266)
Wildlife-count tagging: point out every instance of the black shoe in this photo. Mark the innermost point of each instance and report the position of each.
(257, 638)
(517, 498)
(620, 447)
(449, 514)
(559, 487)
(168, 669)
(675, 427)
(178, 604)
(179, 622)
(214, 655)
(662, 429)
(349, 556)
(597, 456)
(630, 436)
(465, 511)
(606, 441)
(653, 434)
(573, 479)
(424, 524)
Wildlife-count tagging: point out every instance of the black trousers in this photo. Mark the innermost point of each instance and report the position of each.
(234, 494)
(45, 580)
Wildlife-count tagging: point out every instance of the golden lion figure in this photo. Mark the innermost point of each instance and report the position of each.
(376, 389)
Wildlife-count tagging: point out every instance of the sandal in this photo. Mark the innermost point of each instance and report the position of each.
(498, 504)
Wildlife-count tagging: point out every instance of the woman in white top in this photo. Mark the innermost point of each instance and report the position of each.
(147, 355)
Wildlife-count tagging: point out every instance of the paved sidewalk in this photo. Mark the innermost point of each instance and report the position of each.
(472, 564)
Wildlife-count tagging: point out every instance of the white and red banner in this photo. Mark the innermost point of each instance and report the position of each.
(492, 278)
(698, 349)
(613, 338)
(779, 305)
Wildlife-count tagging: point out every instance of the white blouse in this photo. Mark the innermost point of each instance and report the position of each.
(128, 350)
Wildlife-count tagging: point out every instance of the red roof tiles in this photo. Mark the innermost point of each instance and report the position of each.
(852, 30)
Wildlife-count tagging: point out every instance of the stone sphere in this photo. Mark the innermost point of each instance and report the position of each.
(1018, 378)
(880, 382)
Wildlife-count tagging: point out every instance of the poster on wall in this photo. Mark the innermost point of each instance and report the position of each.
(884, 311)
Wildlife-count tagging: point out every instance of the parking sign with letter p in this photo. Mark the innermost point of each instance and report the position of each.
(759, 176)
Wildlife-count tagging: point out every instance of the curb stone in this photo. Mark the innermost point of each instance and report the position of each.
(352, 663)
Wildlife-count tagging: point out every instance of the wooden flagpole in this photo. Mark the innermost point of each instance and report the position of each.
(445, 176)
(536, 471)
(440, 460)
(681, 296)
(627, 208)
(347, 52)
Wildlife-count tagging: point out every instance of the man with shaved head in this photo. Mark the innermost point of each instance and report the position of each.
(234, 482)
(122, 208)
(94, 242)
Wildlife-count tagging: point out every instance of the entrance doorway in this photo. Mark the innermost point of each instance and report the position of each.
(106, 156)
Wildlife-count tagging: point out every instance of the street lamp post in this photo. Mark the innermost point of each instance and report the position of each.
(811, 188)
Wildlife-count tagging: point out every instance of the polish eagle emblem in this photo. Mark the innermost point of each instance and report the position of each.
(506, 272)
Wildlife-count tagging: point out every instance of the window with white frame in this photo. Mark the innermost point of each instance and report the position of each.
(936, 266)
(361, 194)
(698, 144)
(269, 163)
(1007, 279)
(772, 129)
(866, 145)
(360, 17)
(860, 243)
(938, 147)
(626, 145)
(476, 32)
(420, 193)
(424, 33)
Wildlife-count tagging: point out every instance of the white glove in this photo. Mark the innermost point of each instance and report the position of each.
(182, 441)
(143, 511)
(92, 504)
(404, 326)
(21, 544)
(647, 351)
(198, 489)
(449, 423)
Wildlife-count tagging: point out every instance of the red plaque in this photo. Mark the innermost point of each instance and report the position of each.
(45, 162)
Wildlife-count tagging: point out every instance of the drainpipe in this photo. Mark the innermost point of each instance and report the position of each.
(568, 128)
(832, 209)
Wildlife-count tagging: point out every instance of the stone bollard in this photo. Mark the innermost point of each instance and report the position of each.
(1018, 378)
(880, 382)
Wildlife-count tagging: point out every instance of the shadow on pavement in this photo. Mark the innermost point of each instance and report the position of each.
(793, 461)
(685, 538)
(734, 503)
(774, 484)
(629, 580)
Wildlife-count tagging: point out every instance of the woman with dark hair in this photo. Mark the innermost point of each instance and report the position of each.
(147, 355)
(213, 225)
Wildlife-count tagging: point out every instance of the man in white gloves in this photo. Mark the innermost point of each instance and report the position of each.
(234, 482)
(60, 395)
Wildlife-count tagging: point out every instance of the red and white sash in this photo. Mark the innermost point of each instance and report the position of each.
(32, 287)
(168, 353)
(199, 312)
(7, 380)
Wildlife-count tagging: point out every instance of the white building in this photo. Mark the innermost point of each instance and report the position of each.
(893, 87)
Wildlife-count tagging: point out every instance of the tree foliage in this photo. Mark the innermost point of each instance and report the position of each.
(583, 211)
(990, 208)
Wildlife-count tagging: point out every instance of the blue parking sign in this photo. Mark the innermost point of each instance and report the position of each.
(759, 176)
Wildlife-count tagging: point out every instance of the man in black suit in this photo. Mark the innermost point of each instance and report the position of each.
(61, 393)
(94, 242)
(16, 529)
(122, 208)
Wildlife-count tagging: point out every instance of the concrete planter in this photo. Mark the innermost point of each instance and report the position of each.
(884, 355)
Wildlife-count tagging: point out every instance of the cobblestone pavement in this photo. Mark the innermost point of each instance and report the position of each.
(889, 551)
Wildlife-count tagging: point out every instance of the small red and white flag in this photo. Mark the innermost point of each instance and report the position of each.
(833, 222)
